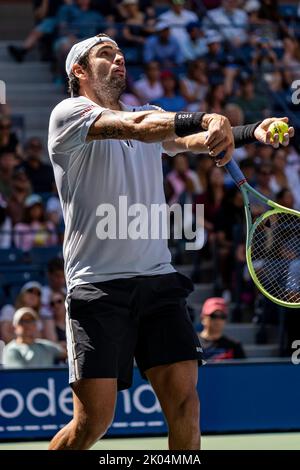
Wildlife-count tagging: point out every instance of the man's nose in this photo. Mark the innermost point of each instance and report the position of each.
(119, 59)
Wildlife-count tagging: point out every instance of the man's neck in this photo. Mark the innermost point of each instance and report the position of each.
(105, 102)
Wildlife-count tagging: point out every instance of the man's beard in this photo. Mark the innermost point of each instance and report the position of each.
(110, 87)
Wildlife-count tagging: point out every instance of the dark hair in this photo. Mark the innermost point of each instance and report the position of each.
(74, 84)
(55, 264)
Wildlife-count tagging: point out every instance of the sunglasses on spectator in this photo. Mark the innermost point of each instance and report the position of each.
(27, 322)
(56, 302)
(218, 316)
(265, 173)
(34, 291)
(5, 126)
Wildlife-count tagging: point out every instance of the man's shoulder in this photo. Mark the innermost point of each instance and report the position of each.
(71, 103)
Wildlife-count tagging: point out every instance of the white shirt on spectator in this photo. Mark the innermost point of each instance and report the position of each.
(232, 26)
(193, 49)
(148, 92)
(178, 23)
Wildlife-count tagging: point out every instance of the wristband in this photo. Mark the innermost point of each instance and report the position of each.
(244, 134)
(188, 123)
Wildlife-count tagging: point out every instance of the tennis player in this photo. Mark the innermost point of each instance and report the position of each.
(125, 300)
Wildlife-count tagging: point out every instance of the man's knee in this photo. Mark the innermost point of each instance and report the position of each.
(188, 407)
(94, 427)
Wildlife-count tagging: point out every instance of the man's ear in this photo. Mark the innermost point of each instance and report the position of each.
(79, 72)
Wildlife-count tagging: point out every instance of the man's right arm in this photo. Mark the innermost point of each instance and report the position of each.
(146, 126)
(160, 126)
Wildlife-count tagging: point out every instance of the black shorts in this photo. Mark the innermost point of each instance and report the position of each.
(111, 323)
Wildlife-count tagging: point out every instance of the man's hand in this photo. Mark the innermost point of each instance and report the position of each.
(219, 137)
(262, 134)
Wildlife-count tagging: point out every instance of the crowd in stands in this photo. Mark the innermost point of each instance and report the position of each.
(234, 57)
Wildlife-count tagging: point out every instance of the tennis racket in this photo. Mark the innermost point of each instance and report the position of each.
(272, 245)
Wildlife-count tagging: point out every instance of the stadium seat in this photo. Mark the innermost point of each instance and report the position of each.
(42, 255)
(10, 256)
(21, 275)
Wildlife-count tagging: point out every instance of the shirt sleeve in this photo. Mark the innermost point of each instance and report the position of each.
(69, 124)
(13, 358)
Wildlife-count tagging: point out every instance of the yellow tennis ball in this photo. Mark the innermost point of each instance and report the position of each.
(280, 128)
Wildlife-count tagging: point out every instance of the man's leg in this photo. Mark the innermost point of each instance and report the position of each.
(94, 407)
(176, 388)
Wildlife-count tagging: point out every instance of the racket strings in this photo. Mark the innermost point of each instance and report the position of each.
(275, 256)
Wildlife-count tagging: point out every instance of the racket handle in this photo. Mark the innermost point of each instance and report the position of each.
(235, 172)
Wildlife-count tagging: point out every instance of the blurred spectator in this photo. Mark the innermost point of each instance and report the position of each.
(40, 174)
(149, 87)
(194, 45)
(228, 222)
(8, 139)
(8, 163)
(171, 100)
(57, 304)
(228, 20)
(45, 13)
(129, 96)
(53, 208)
(34, 230)
(264, 174)
(217, 346)
(253, 105)
(285, 198)
(216, 99)
(56, 284)
(76, 21)
(263, 154)
(215, 59)
(5, 225)
(235, 114)
(204, 165)
(135, 27)
(29, 296)
(178, 17)
(180, 180)
(278, 179)
(212, 198)
(162, 47)
(194, 85)
(21, 189)
(264, 58)
(291, 59)
(27, 350)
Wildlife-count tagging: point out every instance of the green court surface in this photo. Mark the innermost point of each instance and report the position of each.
(274, 441)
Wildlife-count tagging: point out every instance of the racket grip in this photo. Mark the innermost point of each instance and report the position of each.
(235, 172)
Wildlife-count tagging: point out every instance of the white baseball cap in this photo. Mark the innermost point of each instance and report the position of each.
(24, 311)
(31, 285)
(80, 48)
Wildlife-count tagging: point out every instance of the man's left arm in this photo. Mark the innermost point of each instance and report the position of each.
(250, 133)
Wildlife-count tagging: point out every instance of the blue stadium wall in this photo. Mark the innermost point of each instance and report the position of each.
(240, 397)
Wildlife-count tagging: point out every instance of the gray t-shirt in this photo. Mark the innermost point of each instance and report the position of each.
(41, 353)
(90, 174)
